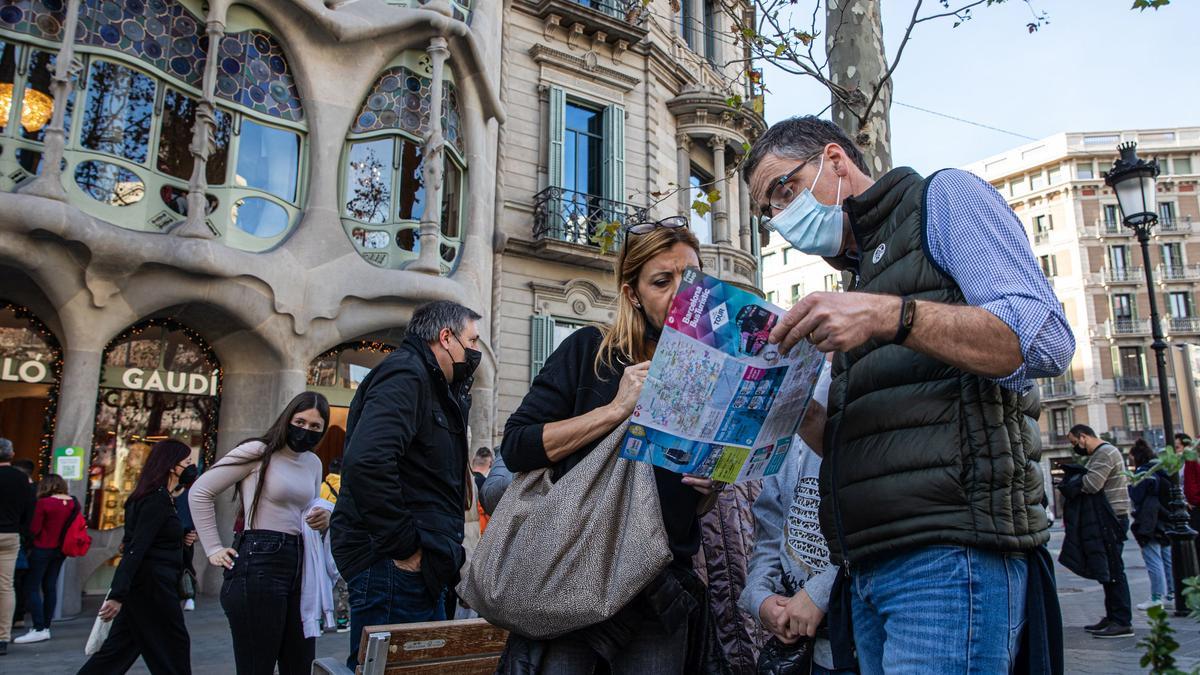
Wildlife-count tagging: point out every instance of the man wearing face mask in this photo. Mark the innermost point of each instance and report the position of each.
(397, 527)
(931, 470)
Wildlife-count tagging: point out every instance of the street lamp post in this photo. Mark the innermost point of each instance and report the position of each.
(1134, 181)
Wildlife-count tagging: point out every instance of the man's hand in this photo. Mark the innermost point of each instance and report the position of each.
(318, 519)
(773, 614)
(411, 564)
(838, 322)
(803, 616)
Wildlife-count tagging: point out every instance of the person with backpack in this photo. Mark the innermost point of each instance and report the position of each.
(52, 517)
(1149, 494)
(143, 601)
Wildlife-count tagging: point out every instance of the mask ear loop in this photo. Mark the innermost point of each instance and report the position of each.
(820, 168)
(839, 192)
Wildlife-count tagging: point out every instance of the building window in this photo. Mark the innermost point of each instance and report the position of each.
(1179, 304)
(583, 151)
(769, 261)
(712, 28)
(1122, 307)
(1042, 224)
(796, 293)
(771, 297)
(383, 188)
(1112, 216)
(1084, 171)
(1049, 265)
(1016, 187)
(1054, 175)
(701, 225)
(1061, 421)
(1166, 213)
(1118, 258)
(1172, 257)
(1131, 367)
(586, 168)
(1135, 417)
(1037, 181)
(1183, 165)
(832, 283)
(1164, 166)
(546, 334)
(685, 22)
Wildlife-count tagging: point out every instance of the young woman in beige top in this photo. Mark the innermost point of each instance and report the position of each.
(277, 477)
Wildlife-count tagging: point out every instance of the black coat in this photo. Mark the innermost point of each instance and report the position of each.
(1149, 498)
(405, 470)
(1094, 536)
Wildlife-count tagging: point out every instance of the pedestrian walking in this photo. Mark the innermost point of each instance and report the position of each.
(1106, 476)
(1149, 494)
(22, 569)
(398, 525)
(932, 470)
(52, 515)
(16, 512)
(143, 601)
(270, 593)
(587, 389)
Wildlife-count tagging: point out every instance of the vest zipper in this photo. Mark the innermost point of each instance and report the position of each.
(837, 507)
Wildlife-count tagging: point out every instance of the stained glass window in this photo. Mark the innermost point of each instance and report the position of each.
(254, 73)
(160, 33)
(43, 19)
(400, 100)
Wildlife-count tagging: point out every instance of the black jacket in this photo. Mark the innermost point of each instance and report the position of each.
(153, 540)
(1094, 536)
(405, 470)
(1149, 498)
(16, 501)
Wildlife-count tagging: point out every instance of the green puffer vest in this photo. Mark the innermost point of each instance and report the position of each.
(920, 453)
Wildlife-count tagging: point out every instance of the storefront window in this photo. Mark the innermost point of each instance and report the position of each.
(158, 382)
(29, 357)
(337, 374)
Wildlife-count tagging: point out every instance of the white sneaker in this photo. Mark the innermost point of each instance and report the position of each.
(33, 636)
(1152, 602)
(189, 605)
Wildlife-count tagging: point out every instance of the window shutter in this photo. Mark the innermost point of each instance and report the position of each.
(558, 132)
(541, 343)
(614, 154)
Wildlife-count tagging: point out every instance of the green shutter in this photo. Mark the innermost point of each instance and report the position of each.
(614, 153)
(558, 132)
(541, 343)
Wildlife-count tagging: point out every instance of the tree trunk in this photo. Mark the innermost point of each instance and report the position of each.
(857, 63)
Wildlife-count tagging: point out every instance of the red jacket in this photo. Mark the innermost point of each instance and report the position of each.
(49, 519)
(1191, 482)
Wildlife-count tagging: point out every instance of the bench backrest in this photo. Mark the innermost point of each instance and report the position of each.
(463, 647)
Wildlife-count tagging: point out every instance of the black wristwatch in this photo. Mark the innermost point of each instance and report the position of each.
(908, 316)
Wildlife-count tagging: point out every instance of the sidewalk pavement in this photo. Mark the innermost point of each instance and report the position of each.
(1082, 603)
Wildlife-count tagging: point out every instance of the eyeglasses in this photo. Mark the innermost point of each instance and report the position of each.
(648, 226)
(781, 193)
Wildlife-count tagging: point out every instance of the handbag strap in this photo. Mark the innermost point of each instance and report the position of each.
(62, 536)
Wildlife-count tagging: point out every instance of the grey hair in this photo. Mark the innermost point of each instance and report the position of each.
(801, 139)
(429, 319)
(6, 450)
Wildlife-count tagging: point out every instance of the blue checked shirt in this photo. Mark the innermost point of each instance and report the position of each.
(977, 239)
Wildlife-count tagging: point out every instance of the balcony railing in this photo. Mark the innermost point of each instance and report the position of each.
(1112, 228)
(1135, 385)
(616, 19)
(1057, 389)
(1123, 275)
(1041, 237)
(1128, 435)
(1174, 224)
(1177, 272)
(1183, 324)
(579, 218)
(1128, 327)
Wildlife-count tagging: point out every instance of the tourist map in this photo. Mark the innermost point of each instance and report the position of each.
(719, 402)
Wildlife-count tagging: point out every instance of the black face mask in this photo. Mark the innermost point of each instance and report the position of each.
(189, 475)
(465, 368)
(303, 440)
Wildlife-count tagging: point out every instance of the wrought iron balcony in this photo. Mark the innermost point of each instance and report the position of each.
(1113, 228)
(1174, 225)
(1177, 272)
(578, 218)
(1183, 324)
(1057, 389)
(1123, 275)
(1135, 385)
(1127, 327)
(615, 20)
(1129, 435)
(1041, 237)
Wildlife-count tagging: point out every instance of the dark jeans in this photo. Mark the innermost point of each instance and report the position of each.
(652, 651)
(261, 599)
(1118, 608)
(385, 594)
(150, 625)
(41, 585)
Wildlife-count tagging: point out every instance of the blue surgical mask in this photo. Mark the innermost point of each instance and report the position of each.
(810, 226)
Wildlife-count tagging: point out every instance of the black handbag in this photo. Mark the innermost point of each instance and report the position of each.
(778, 658)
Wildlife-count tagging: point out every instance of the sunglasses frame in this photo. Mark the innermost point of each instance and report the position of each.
(670, 223)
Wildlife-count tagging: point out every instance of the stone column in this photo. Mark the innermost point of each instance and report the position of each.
(74, 425)
(203, 131)
(48, 184)
(432, 170)
(745, 219)
(721, 235)
(683, 172)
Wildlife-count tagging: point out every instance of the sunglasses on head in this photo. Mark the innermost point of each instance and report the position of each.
(648, 226)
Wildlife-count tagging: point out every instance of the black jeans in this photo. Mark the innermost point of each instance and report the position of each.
(261, 599)
(41, 585)
(150, 625)
(1118, 608)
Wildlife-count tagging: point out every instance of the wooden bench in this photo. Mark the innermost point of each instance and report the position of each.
(464, 647)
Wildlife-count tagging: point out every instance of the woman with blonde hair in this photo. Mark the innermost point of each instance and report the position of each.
(588, 387)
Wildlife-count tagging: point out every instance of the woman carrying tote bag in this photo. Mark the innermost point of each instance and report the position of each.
(587, 389)
(143, 603)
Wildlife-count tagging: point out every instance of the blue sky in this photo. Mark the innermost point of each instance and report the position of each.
(1068, 76)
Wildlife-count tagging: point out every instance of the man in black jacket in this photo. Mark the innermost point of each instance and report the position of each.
(16, 510)
(397, 528)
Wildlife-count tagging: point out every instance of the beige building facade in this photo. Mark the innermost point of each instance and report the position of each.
(207, 208)
(1056, 187)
